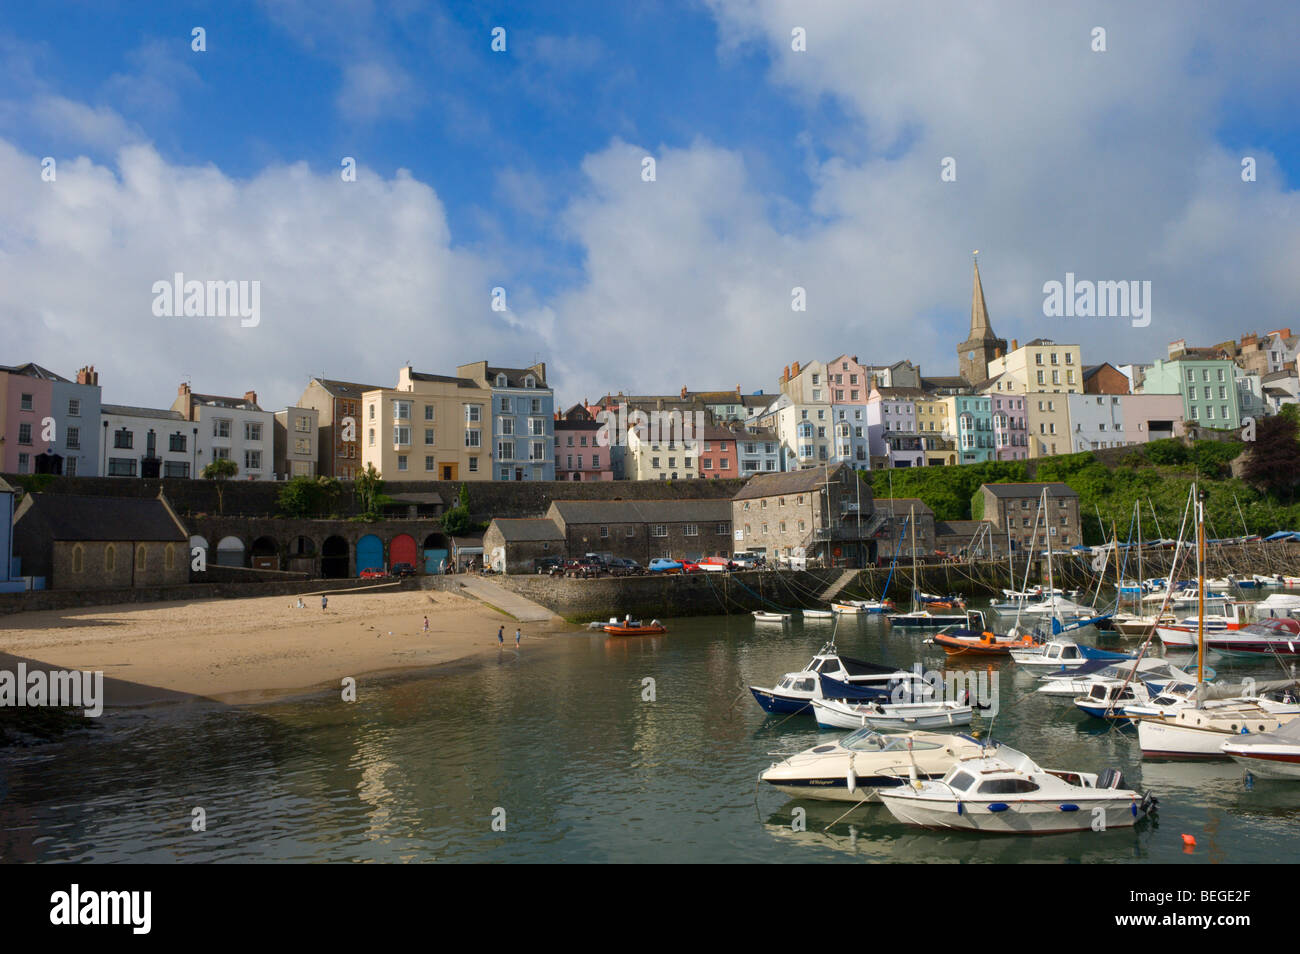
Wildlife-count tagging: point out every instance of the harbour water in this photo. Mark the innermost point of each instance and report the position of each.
(560, 746)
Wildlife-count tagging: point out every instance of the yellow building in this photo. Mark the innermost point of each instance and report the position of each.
(430, 427)
(1045, 372)
(933, 417)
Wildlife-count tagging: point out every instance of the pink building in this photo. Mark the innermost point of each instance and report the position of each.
(718, 453)
(848, 379)
(1010, 427)
(26, 400)
(578, 454)
(1152, 417)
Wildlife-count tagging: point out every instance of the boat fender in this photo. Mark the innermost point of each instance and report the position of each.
(1069, 808)
(852, 776)
(960, 810)
(999, 807)
(1134, 809)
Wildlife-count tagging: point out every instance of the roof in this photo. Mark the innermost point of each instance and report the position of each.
(216, 400)
(786, 482)
(438, 379)
(946, 381)
(958, 528)
(526, 529)
(1027, 489)
(428, 499)
(346, 388)
(1278, 375)
(902, 394)
(901, 505)
(126, 410)
(80, 517)
(642, 511)
(31, 370)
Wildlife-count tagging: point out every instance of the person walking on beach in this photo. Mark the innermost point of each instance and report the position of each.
(324, 602)
(516, 638)
(426, 625)
(501, 636)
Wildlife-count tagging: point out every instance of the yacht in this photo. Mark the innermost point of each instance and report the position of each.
(795, 690)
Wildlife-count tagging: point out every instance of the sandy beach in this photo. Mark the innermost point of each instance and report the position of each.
(250, 650)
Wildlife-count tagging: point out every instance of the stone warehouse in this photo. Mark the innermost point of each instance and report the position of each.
(514, 546)
(78, 542)
(1014, 511)
(642, 530)
(822, 514)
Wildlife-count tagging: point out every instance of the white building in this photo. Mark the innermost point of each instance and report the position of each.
(146, 442)
(230, 428)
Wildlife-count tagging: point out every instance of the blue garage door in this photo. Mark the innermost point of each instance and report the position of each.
(432, 558)
(370, 553)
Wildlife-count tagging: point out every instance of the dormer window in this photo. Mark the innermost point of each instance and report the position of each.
(530, 382)
(501, 380)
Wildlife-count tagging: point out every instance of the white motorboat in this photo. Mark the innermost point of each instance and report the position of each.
(1273, 754)
(858, 766)
(1182, 635)
(818, 614)
(1275, 605)
(1079, 682)
(1130, 624)
(846, 714)
(1063, 654)
(1199, 730)
(795, 691)
(1005, 791)
(1187, 596)
(762, 616)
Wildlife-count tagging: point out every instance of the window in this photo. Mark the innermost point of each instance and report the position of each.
(537, 428)
(428, 412)
(303, 424)
(473, 438)
(221, 453)
(401, 462)
(473, 413)
(74, 407)
(24, 433)
(604, 533)
(140, 556)
(221, 427)
(401, 436)
(370, 437)
(631, 532)
(505, 450)
(178, 469)
(691, 530)
(73, 438)
(252, 431)
(169, 560)
(722, 529)
(78, 558)
(122, 438)
(428, 463)
(110, 558)
(176, 443)
(505, 405)
(537, 452)
(659, 530)
(428, 437)
(401, 410)
(473, 465)
(25, 402)
(252, 460)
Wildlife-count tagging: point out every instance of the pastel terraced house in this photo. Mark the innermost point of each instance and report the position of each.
(523, 411)
(429, 427)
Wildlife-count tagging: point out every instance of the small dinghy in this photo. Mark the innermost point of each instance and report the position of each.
(856, 607)
(842, 714)
(818, 614)
(1005, 791)
(762, 616)
(634, 627)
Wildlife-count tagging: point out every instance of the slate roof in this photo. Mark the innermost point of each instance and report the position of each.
(31, 370)
(346, 389)
(216, 400)
(901, 506)
(957, 528)
(642, 511)
(1029, 489)
(79, 517)
(787, 482)
(442, 379)
(126, 410)
(527, 529)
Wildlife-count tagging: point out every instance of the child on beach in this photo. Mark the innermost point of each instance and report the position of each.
(516, 639)
(501, 636)
(324, 602)
(426, 624)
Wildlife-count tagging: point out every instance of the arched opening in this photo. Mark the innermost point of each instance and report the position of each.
(303, 547)
(402, 550)
(370, 553)
(433, 553)
(230, 552)
(301, 557)
(334, 558)
(265, 554)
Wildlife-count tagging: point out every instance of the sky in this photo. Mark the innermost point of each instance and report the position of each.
(127, 156)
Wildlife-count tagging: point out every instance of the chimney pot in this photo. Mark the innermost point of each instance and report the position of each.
(250, 397)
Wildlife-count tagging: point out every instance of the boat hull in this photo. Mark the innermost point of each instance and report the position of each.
(1284, 762)
(1015, 818)
(779, 703)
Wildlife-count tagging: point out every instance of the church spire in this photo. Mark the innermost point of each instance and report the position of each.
(980, 330)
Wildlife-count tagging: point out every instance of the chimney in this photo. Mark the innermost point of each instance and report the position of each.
(88, 375)
(683, 392)
(1015, 345)
(183, 390)
(250, 397)
(794, 369)
(785, 375)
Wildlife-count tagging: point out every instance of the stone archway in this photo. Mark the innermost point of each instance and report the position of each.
(230, 552)
(265, 554)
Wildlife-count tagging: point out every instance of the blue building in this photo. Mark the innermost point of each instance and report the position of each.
(10, 581)
(75, 406)
(523, 419)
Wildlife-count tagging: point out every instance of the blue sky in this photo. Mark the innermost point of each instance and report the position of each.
(521, 169)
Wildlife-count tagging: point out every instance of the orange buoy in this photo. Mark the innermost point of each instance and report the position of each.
(1189, 841)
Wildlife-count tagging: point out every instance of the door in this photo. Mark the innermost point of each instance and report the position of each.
(370, 553)
(402, 550)
(433, 559)
(448, 471)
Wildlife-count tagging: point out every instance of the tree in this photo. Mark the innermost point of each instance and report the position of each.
(456, 520)
(221, 470)
(308, 496)
(368, 485)
(1274, 464)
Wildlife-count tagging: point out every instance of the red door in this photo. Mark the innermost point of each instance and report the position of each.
(402, 550)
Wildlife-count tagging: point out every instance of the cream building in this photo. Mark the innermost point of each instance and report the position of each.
(430, 427)
(673, 456)
(1046, 373)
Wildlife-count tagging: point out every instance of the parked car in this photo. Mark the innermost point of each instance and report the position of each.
(717, 564)
(373, 573)
(583, 568)
(402, 569)
(621, 567)
(549, 565)
(664, 565)
(689, 566)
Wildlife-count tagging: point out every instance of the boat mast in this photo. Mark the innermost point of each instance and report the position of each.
(1047, 545)
(911, 518)
(1200, 588)
(1138, 506)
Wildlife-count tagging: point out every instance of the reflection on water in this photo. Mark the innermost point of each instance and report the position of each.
(560, 738)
